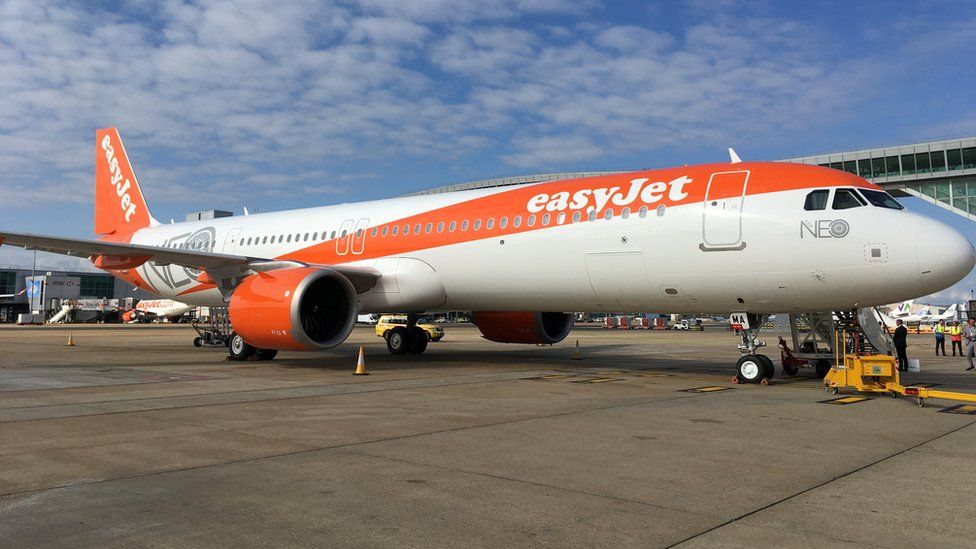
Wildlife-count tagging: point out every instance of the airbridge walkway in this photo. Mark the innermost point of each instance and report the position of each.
(941, 172)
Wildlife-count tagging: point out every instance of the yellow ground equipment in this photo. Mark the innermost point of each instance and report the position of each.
(875, 373)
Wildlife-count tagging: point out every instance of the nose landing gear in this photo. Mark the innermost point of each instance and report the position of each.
(752, 367)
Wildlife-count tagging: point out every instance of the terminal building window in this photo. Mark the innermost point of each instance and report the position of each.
(8, 282)
(99, 286)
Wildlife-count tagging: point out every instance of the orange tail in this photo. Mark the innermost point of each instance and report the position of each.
(120, 207)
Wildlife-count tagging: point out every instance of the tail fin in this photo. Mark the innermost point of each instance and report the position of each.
(120, 207)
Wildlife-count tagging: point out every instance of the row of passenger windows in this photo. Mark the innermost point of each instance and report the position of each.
(516, 222)
(845, 199)
(908, 164)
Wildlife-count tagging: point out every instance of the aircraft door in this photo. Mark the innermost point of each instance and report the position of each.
(344, 237)
(230, 242)
(722, 214)
(359, 236)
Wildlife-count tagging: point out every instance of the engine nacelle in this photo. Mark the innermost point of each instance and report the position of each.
(304, 308)
(523, 327)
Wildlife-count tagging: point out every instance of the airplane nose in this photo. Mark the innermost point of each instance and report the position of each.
(945, 256)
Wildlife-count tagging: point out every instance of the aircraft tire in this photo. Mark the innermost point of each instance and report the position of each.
(418, 341)
(398, 341)
(822, 366)
(769, 370)
(238, 348)
(749, 369)
(266, 354)
(197, 342)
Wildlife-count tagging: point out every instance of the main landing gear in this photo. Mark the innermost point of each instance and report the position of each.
(407, 340)
(751, 367)
(238, 349)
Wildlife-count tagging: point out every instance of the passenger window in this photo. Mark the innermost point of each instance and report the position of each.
(416, 229)
(373, 232)
(530, 222)
(464, 225)
(315, 236)
(642, 213)
(440, 227)
(333, 235)
(281, 238)
(502, 223)
(608, 215)
(625, 213)
(396, 229)
(561, 218)
(490, 224)
(343, 233)
(816, 200)
(545, 220)
(845, 199)
(592, 216)
(477, 224)
(517, 222)
(576, 216)
(406, 229)
(305, 238)
(386, 231)
(453, 226)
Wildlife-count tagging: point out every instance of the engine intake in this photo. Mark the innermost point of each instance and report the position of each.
(523, 327)
(303, 308)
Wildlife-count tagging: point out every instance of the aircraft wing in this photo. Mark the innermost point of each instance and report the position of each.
(219, 266)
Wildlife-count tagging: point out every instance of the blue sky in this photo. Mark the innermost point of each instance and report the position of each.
(279, 104)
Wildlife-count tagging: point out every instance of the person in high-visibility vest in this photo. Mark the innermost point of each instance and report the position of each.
(939, 331)
(955, 334)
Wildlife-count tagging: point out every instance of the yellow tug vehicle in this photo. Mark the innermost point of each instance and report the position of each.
(875, 373)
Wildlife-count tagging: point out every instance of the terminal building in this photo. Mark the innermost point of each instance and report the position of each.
(43, 293)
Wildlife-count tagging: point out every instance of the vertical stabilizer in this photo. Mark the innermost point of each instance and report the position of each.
(120, 207)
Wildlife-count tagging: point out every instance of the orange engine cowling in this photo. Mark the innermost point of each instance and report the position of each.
(304, 308)
(523, 327)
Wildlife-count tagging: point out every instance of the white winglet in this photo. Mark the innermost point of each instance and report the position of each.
(245, 211)
(734, 157)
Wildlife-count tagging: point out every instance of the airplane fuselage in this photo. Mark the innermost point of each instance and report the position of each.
(713, 238)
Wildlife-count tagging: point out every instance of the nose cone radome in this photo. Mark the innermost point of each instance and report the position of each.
(945, 256)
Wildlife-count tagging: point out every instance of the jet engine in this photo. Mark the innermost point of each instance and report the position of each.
(523, 327)
(302, 308)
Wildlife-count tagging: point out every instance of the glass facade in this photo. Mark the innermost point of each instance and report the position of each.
(8, 282)
(100, 286)
(949, 160)
(960, 193)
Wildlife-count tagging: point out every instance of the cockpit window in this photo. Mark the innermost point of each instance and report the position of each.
(881, 199)
(816, 200)
(846, 198)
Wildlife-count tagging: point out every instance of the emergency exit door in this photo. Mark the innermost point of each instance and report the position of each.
(722, 215)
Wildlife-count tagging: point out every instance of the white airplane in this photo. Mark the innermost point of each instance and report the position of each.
(923, 317)
(750, 238)
(149, 309)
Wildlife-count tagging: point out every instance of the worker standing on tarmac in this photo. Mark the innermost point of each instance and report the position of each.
(900, 340)
(939, 331)
(970, 333)
(955, 334)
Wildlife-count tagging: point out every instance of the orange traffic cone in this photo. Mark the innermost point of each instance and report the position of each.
(577, 355)
(71, 340)
(361, 364)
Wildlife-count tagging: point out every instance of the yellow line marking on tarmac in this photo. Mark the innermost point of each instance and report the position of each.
(845, 400)
(965, 409)
(708, 389)
(596, 380)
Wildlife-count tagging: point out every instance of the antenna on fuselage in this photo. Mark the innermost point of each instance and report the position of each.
(734, 158)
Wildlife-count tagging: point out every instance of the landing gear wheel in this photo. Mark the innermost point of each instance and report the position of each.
(238, 348)
(749, 369)
(398, 341)
(418, 341)
(769, 370)
(822, 367)
(266, 354)
(197, 342)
